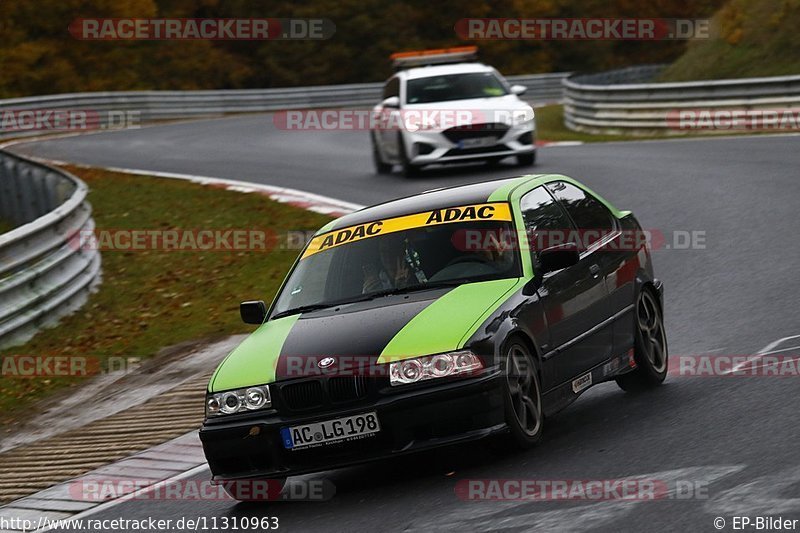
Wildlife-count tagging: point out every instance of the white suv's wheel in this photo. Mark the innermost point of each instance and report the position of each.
(409, 169)
(377, 159)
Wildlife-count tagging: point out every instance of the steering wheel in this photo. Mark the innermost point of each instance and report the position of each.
(473, 258)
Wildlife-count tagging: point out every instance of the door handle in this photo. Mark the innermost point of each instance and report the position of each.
(595, 270)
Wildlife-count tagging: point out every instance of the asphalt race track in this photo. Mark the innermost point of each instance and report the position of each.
(734, 438)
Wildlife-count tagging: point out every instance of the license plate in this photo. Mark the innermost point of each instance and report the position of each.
(477, 142)
(338, 429)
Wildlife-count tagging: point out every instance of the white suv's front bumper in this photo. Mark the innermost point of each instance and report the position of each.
(429, 147)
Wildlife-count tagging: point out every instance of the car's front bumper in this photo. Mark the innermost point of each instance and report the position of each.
(419, 418)
(433, 147)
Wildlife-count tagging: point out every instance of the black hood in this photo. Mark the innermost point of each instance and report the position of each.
(358, 331)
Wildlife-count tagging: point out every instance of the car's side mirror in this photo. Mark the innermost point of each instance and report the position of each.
(393, 102)
(550, 260)
(253, 312)
(519, 90)
(558, 257)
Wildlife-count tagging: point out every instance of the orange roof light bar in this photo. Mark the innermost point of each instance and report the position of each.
(436, 56)
(436, 52)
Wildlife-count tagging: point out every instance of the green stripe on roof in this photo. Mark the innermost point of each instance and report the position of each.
(501, 193)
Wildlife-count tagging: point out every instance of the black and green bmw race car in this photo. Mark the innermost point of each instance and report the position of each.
(448, 316)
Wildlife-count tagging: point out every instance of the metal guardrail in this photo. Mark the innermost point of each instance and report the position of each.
(542, 88)
(102, 108)
(44, 273)
(620, 102)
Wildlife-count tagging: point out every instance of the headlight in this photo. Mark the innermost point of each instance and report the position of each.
(236, 401)
(433, 366)
(255, 398)
(523, 117)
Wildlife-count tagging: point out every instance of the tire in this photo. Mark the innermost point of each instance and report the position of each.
(650, 349)
(523, 395)
(409, 170)
(377, 160)
(254, 490)
(526, 160)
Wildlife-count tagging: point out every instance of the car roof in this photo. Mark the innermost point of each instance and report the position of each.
(475, 193)
(440, 70)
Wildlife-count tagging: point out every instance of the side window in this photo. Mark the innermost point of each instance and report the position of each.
(546, 224)
(392, 88)
(592, 218)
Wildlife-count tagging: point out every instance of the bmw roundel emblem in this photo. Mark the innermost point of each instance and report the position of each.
(325, 362)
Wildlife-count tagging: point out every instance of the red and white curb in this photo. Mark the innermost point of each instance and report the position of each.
(302, 199)
(558, 143)
(285, 195)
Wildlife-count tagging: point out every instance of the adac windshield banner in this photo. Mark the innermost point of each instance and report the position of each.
(499, 211)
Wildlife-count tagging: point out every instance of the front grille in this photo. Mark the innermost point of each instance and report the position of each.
(303, 395)
(472, 131)
(344, 389)
(476, 151)
(322, 392)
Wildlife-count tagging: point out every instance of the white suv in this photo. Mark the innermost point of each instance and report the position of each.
(447, 113)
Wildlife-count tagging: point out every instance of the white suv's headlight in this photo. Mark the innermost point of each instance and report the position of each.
(523, 117)
(433, 366)
(236, 401)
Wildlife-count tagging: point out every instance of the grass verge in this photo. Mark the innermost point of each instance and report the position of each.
(152, 299)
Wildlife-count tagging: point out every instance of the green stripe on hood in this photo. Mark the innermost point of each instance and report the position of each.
(447, 323)
(254, 361)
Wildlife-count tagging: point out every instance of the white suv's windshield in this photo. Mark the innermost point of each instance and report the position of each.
(401, 261)
(454, 87)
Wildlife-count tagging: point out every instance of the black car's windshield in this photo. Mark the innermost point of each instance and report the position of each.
(415, 259)
(454, 87)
